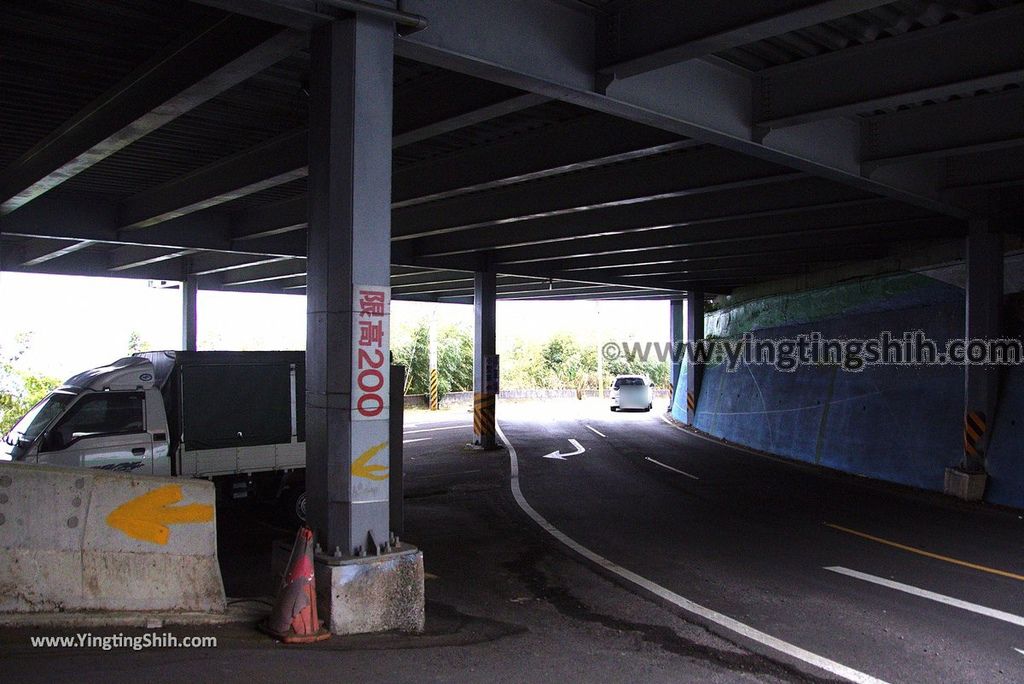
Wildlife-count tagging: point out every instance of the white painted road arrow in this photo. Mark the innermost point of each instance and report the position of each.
(560, 456)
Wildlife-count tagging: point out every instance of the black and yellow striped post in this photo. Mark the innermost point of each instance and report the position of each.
(974, 435)
(483, 418)
(433, 390)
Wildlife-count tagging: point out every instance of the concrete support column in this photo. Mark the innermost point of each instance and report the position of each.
(348, 273)
(694, 332)
(189, 317)
(485, 370)
(366, 580)
(984, 300)
(675, 327)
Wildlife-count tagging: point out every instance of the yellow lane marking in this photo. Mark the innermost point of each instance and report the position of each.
(929, 554)
(146, 517)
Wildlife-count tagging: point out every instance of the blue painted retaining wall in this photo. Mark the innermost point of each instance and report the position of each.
(900, 424)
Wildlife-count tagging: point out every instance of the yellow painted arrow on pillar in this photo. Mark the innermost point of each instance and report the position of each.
(361, 467)
(146, 517)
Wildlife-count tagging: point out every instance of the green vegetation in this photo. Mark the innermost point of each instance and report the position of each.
(560, 362)
(136, 344)
(454, 359)
(19, 390)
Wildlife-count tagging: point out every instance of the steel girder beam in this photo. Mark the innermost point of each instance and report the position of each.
(279, 282)
(643, 36)
(209, 263)
(456, 120)
(273, 271)
(728, 259)
(827, 221)
(130, 257)
(271, 219)
(676, 174)
(993, 169)
(980, 52)
(854, 236)
(980, 123)
(58, 218)
(399, 279)
(285, 158)
(779, 199)
(273, 163)
(302, 16)
(190, 72)
(593, 140)
(554, 55)
(49, 250)
(97, 264)
(580, 292)
(527, 270)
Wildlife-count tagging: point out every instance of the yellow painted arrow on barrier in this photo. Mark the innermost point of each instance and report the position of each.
(146, 517)
(361, 467)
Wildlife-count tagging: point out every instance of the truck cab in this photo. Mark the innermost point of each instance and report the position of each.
(110, 417)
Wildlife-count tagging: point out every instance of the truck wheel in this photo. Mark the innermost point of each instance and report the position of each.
(294, 503)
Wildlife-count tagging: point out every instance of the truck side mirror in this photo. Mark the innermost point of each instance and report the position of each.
(52, 441)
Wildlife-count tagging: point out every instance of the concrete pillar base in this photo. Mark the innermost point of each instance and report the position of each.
(964, 485)
(372, 594)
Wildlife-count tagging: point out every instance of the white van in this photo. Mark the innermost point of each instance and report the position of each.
(632, 392)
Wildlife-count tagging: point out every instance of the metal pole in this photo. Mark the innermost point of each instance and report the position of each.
(675, 325)
(984, 298)
(189, 313)
(485, 287)
(396, 483)
(433, 380)
(600, 356)
(694, 332)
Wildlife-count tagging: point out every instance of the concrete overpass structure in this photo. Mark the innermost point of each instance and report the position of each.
(468, 151)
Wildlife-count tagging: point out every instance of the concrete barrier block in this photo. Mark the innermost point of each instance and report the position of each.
(74, 539)
(963, 485)
(374, 594)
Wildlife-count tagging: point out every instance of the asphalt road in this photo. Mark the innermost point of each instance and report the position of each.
(743, 537)
(759, 541)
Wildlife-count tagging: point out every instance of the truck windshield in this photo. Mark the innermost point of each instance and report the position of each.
(41, 415)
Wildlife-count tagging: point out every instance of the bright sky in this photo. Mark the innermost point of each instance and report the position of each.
(78, 323)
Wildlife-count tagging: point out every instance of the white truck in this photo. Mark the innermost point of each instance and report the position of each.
(236, 418)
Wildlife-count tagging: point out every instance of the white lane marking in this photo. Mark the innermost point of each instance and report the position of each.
(599, 434)
(924, 593)
(561, 457)
(730, 445)
(418, 439)
(1019, 651)
(449, 427)
(674, 470)
(667, 595)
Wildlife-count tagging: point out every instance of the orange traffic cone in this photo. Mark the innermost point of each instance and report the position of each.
(294, 619)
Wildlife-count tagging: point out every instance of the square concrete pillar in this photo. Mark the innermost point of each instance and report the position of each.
(366, 581)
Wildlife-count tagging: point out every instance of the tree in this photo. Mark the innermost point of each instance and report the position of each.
(569, 364)
(19, 389)
(454, 359)
(136, 344)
